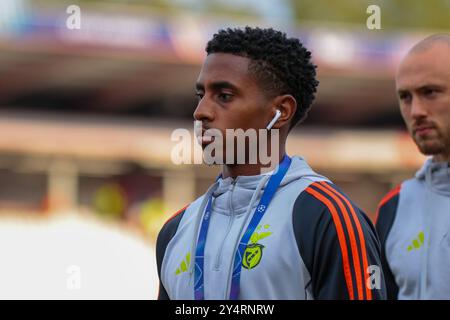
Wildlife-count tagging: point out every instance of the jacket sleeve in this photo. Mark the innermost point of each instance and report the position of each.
(338, 245)
(165, 235)
(386, 212)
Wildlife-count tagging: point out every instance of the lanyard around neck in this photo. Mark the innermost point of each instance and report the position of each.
(269, 192)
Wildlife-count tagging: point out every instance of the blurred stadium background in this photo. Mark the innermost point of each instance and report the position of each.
(86, 117)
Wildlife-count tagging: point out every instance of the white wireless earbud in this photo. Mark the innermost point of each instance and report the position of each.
(274, 120)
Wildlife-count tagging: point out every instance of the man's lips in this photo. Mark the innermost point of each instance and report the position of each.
(423, 130)
(204, 139)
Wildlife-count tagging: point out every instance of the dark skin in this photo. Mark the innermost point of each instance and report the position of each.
(230, 97)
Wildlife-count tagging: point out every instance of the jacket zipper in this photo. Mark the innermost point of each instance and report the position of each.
(230, 224)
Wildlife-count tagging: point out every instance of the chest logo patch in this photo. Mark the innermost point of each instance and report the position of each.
(184, 265)
(417, 242)
(254, 251)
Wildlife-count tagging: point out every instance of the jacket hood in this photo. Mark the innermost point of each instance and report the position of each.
(436, 175)
(235, 195)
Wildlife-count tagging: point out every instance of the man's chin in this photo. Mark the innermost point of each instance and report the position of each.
(430, 148)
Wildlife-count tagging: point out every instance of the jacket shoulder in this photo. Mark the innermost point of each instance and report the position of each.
(337, 243)
(386, 211)
(166, 234)
(169, 229)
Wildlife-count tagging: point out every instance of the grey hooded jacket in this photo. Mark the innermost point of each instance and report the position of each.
(414, 228)
(313, 242)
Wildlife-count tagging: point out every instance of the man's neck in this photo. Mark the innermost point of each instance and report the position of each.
(236, 170)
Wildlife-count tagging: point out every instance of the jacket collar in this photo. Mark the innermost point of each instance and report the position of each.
(436, 175)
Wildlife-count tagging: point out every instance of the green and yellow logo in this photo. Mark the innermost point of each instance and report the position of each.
(417, 242)
(254, 251)
(184, 265)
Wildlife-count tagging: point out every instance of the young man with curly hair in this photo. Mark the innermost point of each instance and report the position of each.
(285, 234)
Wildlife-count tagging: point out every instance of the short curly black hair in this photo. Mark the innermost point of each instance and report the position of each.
(283, 65)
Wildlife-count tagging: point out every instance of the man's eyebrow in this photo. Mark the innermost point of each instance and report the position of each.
(430, 86)
(421, 88)
(217, 86)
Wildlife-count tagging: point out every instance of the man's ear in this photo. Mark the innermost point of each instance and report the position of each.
(288, 106)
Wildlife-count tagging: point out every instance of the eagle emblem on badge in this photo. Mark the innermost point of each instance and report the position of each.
(254, 251)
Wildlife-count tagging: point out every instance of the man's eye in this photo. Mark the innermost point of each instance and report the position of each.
(404, 96)
(225, 97)
(199, 95)
(429, 92)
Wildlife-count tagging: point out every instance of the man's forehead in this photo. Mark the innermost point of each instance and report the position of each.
(424, 68)
(224, 67)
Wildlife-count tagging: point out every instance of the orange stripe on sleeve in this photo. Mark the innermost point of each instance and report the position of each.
(360, 236)
(353, 243)
(386, 198)
(341, 238)
(177, 213)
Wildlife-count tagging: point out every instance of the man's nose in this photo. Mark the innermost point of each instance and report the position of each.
(203, 111)
(418, 109)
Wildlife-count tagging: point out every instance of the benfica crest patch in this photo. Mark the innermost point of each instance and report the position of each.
(252, 255)
(254, 251)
